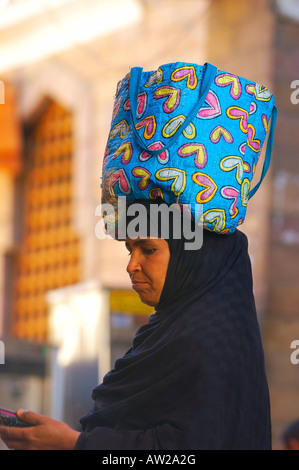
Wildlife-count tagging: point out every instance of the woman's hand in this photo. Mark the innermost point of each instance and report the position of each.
(45, 434)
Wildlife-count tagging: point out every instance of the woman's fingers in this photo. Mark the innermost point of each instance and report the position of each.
(13, 437)
(43, 434)
(30, 417)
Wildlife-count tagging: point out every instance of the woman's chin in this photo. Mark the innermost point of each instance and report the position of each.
(147, 300)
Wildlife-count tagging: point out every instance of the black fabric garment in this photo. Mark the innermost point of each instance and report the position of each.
(194, 377)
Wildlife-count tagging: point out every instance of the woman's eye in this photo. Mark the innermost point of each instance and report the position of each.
(149, 251)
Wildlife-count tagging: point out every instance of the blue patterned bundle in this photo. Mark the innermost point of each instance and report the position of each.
(190, 134)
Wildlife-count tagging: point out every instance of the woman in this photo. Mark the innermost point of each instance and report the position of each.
(194, 377)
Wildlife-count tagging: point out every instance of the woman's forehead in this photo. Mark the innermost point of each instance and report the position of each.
(144, 241)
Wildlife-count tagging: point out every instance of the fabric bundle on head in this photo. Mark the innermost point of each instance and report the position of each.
(194, 377)
(192, 132)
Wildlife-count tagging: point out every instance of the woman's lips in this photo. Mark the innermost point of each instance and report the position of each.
(138, 284)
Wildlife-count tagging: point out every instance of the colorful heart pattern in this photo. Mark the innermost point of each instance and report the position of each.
(177, 178)
(141, 104)
(183, 73)
(172, 95)
(230, 192)
(231, 81)
(260, 92)
(219, 132)
(120, 178)
(234, 112)
(156, 77)
(122, 128)
(156, 193)
(210, 162)
(254, 144)
(265, 122)
(126, 152)
(211, 108)
(231, 163)
(143, 175)
(215, 218)
(149, 125)
(162, 157)
(209, 187)
(199, 152)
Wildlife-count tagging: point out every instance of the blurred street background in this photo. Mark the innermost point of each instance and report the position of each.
(66, 307)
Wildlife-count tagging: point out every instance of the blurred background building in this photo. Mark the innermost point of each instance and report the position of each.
(66, 308)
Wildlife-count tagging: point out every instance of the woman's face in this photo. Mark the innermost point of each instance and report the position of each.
(149, 258)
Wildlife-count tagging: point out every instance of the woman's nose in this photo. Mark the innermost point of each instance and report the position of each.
(133, 264)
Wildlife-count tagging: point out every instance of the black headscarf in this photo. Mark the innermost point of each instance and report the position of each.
(194, 377)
